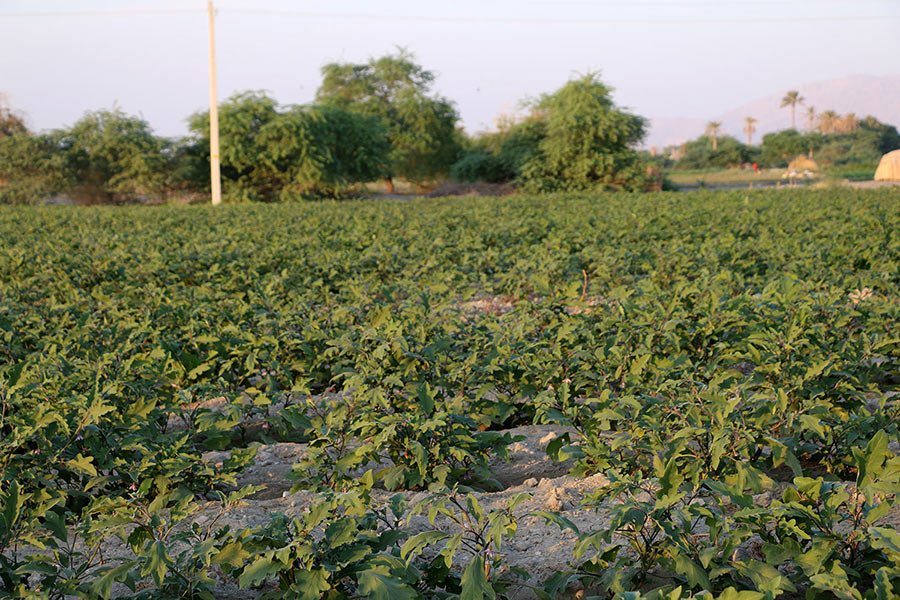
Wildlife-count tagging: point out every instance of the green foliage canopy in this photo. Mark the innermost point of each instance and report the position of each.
(394, 89)
(729, 152)
(106, 156)
(587, 141)
(269, 153)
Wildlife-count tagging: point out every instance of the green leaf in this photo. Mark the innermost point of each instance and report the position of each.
(378, 584)
(102, 585)
(418, 542)
(257, 571)
(885, 538)
(310, 584)
(555, 518)
(156, 562)
(694, 573)
(232, 554)
(82, 464)
(426, 402)
(475, 585)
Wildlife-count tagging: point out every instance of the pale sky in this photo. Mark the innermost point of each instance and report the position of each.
(690, 58)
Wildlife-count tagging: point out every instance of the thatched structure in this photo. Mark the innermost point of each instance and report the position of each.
(803, 163)
(889, 167)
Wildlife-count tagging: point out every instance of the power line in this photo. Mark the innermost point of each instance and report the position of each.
(556, 21)
(472, 19)
(104, 13)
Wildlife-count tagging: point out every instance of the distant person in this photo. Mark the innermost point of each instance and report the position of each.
(756, 168)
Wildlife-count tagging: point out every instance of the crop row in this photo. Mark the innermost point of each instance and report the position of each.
(698, 349)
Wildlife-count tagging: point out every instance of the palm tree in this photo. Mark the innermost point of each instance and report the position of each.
(749, 128)
(849, 123)
(712, 130)
(792, 99)
(828, 121)
(810, 117)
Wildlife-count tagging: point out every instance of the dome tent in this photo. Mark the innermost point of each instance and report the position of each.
(889, 167)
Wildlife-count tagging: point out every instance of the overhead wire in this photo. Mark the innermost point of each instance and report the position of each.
(467, 19)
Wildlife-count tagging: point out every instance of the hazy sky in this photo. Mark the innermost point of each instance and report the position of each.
(692, 58)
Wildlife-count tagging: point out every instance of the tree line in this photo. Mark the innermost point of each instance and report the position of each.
(375, 121)
(832, 139)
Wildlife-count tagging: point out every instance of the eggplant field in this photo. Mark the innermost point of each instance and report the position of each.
(655, 396)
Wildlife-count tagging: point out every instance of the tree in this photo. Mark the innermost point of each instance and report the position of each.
(848, 123)
(499, 156)
(106, 156)
(792, 99)
(828, 122)
(113, 157)
(586, 142)
(749, 128)
(31, 168)
(421, 127)
(779, 148)
(729, 152)
(269, 153)
(810, 118)
(713, 128)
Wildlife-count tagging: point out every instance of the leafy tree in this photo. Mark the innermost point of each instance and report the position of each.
(421, 127)
(865, 144)
(499, 156)
(887, 135)
(106, 156)
(713, 128)
(792, 99)
(729, 152)
(587, 143)
(778, 149)
(31, 168)
(749, 129)
(113, 156)
(269, 154)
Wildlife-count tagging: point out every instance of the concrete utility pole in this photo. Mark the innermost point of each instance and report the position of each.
(215, 174)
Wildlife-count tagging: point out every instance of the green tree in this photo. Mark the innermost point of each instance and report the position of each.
(729, 152)
(778, 149)
(421, 127)
(113, 157)
(586, 142)
(269, 153)
(499, 156)
(106, 156)
(792, 99)
(31, 168)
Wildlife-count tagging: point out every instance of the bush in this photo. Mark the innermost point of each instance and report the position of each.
(106, 156)
(587, 142)
(272, 154)
(699, 154)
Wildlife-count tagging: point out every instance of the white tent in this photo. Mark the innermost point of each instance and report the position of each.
(889, 167)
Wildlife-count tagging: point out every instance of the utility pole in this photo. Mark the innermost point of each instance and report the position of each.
(215, 174)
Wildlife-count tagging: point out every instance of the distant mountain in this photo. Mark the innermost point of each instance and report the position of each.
(861, 94)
